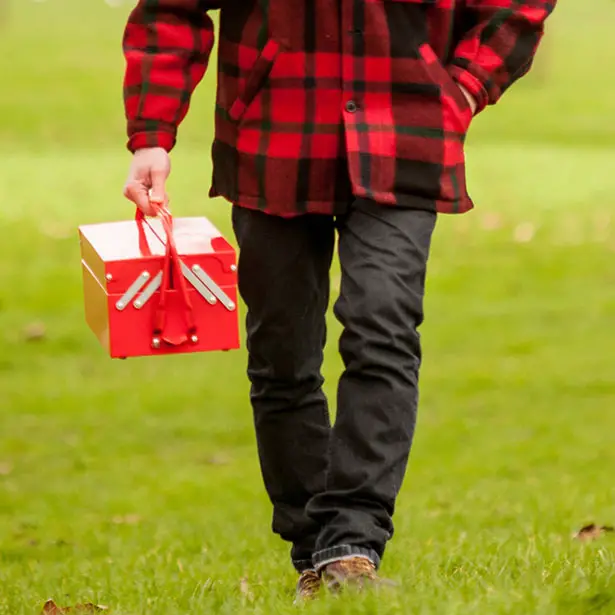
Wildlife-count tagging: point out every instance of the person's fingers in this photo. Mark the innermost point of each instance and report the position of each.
(158, 195)
(136, 192)
(471, 100)
(147, 177)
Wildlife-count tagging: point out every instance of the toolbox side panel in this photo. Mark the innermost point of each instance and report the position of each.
(92, 259)
(96, 306)
(132, 328)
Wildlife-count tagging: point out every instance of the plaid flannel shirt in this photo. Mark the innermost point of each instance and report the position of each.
(313, 92)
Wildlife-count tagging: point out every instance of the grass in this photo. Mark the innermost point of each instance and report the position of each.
(135, 484)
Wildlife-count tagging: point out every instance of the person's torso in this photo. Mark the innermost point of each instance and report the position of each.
(302, 83)
(324, 43)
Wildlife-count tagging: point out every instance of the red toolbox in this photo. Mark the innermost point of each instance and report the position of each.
(159, 286)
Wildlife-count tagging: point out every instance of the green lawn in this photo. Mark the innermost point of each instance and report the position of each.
(135, 483)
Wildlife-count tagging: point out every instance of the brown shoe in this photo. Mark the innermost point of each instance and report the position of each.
(355, 572)
(308, 586)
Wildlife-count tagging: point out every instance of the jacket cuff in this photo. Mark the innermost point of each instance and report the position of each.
(474, 85)
(151, 138)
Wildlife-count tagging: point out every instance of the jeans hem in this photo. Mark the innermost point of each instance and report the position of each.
(341, 552)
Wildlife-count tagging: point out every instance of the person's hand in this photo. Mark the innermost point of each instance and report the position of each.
(147, 177)
(471, 100)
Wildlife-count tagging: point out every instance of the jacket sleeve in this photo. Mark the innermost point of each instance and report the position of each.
(498, 45)
(167, 46)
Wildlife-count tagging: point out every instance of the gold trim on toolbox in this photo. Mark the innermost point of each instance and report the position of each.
(95, 304)
(93, 261)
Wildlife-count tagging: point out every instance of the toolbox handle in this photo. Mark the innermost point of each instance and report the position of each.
(172, 279)
(143, 243)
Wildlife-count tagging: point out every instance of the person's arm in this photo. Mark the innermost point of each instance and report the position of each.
(498, 47)
(166, 45)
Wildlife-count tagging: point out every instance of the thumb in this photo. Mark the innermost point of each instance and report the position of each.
(158, 195)
(136, 192)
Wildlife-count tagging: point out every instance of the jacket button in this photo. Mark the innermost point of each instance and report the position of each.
(351, 106)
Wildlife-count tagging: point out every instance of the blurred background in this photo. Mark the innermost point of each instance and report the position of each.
(113, 472)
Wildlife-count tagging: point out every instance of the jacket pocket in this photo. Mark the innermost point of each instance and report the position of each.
(255, 80)
(451, 91)
(445, 110)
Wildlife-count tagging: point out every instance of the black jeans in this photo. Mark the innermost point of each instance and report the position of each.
(333, 489)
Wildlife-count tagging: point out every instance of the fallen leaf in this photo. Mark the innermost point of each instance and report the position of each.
(491, 221)
(71, 440)
(592, 532)
(602, 226)
(34, 331)
(55, 230)
(218, 460)
(524, 232)
(244, 588)
(570, 230)
(5, 468)
(51, 608)
(131, 519)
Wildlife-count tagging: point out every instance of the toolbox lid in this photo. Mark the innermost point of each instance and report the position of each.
(118, 241)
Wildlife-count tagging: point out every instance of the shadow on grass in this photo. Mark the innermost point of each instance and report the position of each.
(589, 603)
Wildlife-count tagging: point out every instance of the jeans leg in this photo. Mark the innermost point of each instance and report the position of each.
(383, 256)
(283, 278)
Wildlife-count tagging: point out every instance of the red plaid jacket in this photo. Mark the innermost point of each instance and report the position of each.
(313, 92)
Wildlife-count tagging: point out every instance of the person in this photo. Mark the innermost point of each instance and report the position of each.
(336, 121)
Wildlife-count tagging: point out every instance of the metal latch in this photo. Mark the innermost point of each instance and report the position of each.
(224, 299)
(197, 277)
(151, 288)
(200, 287)
(132, 290)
